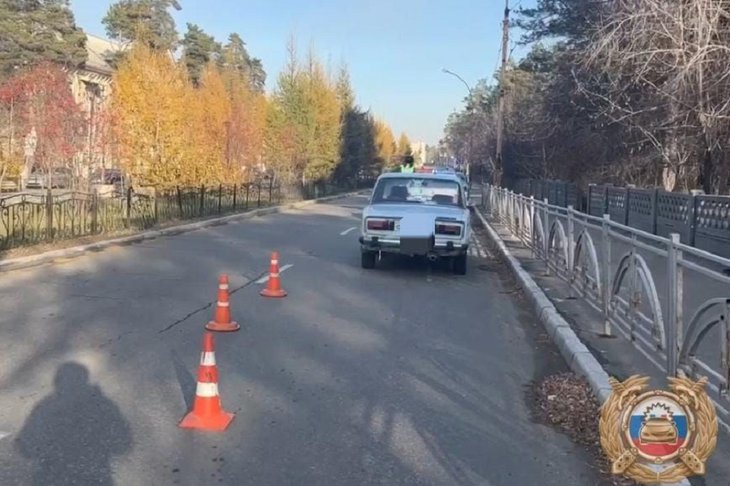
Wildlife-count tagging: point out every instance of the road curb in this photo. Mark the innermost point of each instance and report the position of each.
(576, 354)
(76, 251)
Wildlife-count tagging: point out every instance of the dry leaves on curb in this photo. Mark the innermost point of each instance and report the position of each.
(566, 402)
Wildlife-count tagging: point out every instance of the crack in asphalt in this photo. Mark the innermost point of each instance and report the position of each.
(210, 304)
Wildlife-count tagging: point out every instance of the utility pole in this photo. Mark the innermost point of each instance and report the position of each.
(498, 167)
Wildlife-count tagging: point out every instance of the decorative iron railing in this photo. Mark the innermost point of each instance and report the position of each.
(671, 300)
(27, 219)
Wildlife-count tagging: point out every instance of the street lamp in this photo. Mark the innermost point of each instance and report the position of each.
(471, 113)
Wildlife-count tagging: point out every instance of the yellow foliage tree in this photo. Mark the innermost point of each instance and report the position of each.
(153, 101)
(385, 144)
(304, 121)
(404, 145)
(246, 129)
(325, 117)
(210, 118)
(170, 133)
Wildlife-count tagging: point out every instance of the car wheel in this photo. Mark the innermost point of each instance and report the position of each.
(367, 259)
(459, 264)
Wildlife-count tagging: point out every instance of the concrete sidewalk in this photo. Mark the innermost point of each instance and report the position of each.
(615, 354)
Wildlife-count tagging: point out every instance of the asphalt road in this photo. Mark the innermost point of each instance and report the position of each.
(399, 375)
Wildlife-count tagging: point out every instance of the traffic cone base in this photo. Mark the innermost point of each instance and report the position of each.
(222, 326)
(216, 423)
(273, 293)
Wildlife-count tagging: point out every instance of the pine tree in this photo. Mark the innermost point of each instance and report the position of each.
(33, 31)
(147, 21)
(236, 58)
(199, 49)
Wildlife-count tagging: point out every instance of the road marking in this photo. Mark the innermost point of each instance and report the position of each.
(348, 230)
(281, 270)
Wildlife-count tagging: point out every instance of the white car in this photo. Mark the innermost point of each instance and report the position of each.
(417, 215)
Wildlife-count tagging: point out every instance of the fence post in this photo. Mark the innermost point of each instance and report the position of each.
(509, 210)
(235, 186)
(605, 199)
(179, 201)
(248, 190)
(565, 194)
(94, 212)
(220, 197)
(201, 210)
(590, 197)
(546, 234)
(533, 231)
(694, 208)
(634, 295)
(496, 201)
(518, 216)
(156, 207)
(674, 328)
(605, 265)
(258, 201)
(502, 199)
(571, 251)
(502, 206)
(49, 214)
(654, 210)
(627, 195)
(129, 207)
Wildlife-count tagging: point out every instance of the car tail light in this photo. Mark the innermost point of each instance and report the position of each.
(381, 224)
(448, 229)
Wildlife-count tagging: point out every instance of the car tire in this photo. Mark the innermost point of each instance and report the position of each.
(367, 259)
(459, 264)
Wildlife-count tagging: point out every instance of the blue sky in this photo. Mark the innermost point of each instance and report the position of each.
(395, 49)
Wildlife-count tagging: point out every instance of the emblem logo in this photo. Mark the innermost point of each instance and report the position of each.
(658, 436)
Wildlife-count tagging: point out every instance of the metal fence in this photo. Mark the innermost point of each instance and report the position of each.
(27, 219)
(700, 220)
(559, 193)
(670, 299)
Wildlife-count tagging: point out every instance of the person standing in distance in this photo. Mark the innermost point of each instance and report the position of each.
(408, 165)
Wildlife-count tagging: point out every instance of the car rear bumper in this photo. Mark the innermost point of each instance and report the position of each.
(440, 248)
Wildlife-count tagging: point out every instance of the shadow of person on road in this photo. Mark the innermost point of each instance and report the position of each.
(72, 434)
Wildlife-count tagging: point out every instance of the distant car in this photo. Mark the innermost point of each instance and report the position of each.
(108, 176)
(465, 181)
(60, 178)
(417, 215)
(10, 184)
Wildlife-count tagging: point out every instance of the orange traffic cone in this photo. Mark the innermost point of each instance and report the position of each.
(222, 321)
(273, 287)
(208, 413)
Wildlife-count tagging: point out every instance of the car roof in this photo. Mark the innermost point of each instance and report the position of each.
(420, 175)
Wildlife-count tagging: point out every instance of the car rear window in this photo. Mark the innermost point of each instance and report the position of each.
(443, 192)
